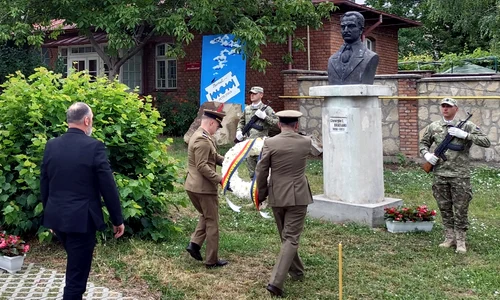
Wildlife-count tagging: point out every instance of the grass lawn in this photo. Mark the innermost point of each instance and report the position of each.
(377, 264)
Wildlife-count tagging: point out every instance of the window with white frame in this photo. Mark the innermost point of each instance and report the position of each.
(63, 54)
(166, 68)
(45, 56)
(81, 58)
(370, 44)
(131, 72)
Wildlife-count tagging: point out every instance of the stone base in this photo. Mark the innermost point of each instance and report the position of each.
(341, 212)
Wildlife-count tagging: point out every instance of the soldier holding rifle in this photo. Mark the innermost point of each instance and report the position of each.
(257, 118)
(451, 187)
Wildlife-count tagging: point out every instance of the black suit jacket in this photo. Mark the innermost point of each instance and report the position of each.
(360, 69)
(75, 173)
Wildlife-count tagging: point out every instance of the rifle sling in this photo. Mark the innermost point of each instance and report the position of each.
(258, 127)
(456, 147)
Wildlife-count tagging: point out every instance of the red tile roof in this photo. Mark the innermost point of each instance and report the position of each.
(76, 40)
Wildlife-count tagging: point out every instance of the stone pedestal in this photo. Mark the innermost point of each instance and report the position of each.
(353, 178)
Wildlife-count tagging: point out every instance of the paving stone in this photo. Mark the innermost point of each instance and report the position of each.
(37, 283)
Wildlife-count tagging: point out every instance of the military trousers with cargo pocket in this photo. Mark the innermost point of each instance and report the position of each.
(453, 195)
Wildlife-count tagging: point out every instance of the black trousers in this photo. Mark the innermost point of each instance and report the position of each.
(79, 249)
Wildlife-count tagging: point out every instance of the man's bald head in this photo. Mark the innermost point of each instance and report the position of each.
(77, 112)
(79, 115)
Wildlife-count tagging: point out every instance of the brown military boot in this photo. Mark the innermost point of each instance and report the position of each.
(460, 236)
(449, 238)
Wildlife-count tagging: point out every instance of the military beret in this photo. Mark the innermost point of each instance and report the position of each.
(218, 116)
(256, 89)
(288, 116)
(449, 101)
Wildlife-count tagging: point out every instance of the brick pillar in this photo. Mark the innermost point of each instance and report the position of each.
(290, 88)
(408, 117)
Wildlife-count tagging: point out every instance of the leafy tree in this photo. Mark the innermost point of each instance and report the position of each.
(32, 110)
(13, 58)
(131, 24)
(449, 26)
(426, 62)
(475, 20)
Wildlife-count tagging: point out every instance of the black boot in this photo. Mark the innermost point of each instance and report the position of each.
(275, 291)
(194, 251)
(219, 263)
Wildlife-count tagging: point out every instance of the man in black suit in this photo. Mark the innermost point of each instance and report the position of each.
(353, 63)
(75, 173)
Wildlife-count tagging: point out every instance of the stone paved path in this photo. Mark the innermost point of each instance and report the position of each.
(39, 283)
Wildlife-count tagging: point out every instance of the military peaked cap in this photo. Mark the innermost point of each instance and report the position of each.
(218, 116)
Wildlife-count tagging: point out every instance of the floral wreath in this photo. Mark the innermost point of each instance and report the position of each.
(230, 178)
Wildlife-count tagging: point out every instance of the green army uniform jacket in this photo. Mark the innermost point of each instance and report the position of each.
(270, 121)
(202, 163)
(458, 163)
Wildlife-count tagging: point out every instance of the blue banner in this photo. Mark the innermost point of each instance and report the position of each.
(223, 70)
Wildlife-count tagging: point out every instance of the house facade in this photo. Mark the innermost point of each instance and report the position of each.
(156, 74)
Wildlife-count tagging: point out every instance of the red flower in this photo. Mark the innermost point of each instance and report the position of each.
(409, 214)
(11, 245)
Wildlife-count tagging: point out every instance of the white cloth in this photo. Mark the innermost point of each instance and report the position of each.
(261, 114)
(239, 135)
(459, 133)
(256, 104)
(431, 158)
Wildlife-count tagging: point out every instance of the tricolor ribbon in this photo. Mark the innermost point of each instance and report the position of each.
(254, 192)
(233, 166)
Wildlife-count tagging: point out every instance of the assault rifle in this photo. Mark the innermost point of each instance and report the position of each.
(445, 145)
(252, 124)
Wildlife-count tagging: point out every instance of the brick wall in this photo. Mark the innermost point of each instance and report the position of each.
(386, 46)
(408, 117)
(328, 39)
(290, 88)
(186, 80)
(323, 43)
(271, 80)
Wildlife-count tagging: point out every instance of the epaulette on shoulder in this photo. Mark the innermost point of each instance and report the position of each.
(204, 135)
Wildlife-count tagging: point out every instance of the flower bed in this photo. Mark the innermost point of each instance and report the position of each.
(407, 219)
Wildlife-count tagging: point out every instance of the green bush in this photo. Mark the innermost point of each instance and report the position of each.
(32, 110)
(178, 113)
(14, 59)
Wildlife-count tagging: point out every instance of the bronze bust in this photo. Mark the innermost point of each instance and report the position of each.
(353, 63)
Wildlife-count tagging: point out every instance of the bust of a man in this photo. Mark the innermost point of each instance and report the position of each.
(353, 63)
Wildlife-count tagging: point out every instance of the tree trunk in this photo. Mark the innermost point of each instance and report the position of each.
(113, 72)
(114, 63)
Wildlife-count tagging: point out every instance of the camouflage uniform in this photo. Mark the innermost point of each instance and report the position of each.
(451, 187)
(270, 121)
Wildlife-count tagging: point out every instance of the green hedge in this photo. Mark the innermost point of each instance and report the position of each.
(33, 110)
(178, 112)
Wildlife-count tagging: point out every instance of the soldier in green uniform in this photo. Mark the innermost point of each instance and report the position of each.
(267, 120)
(201, 186)
(289, 194)
(451, 186)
